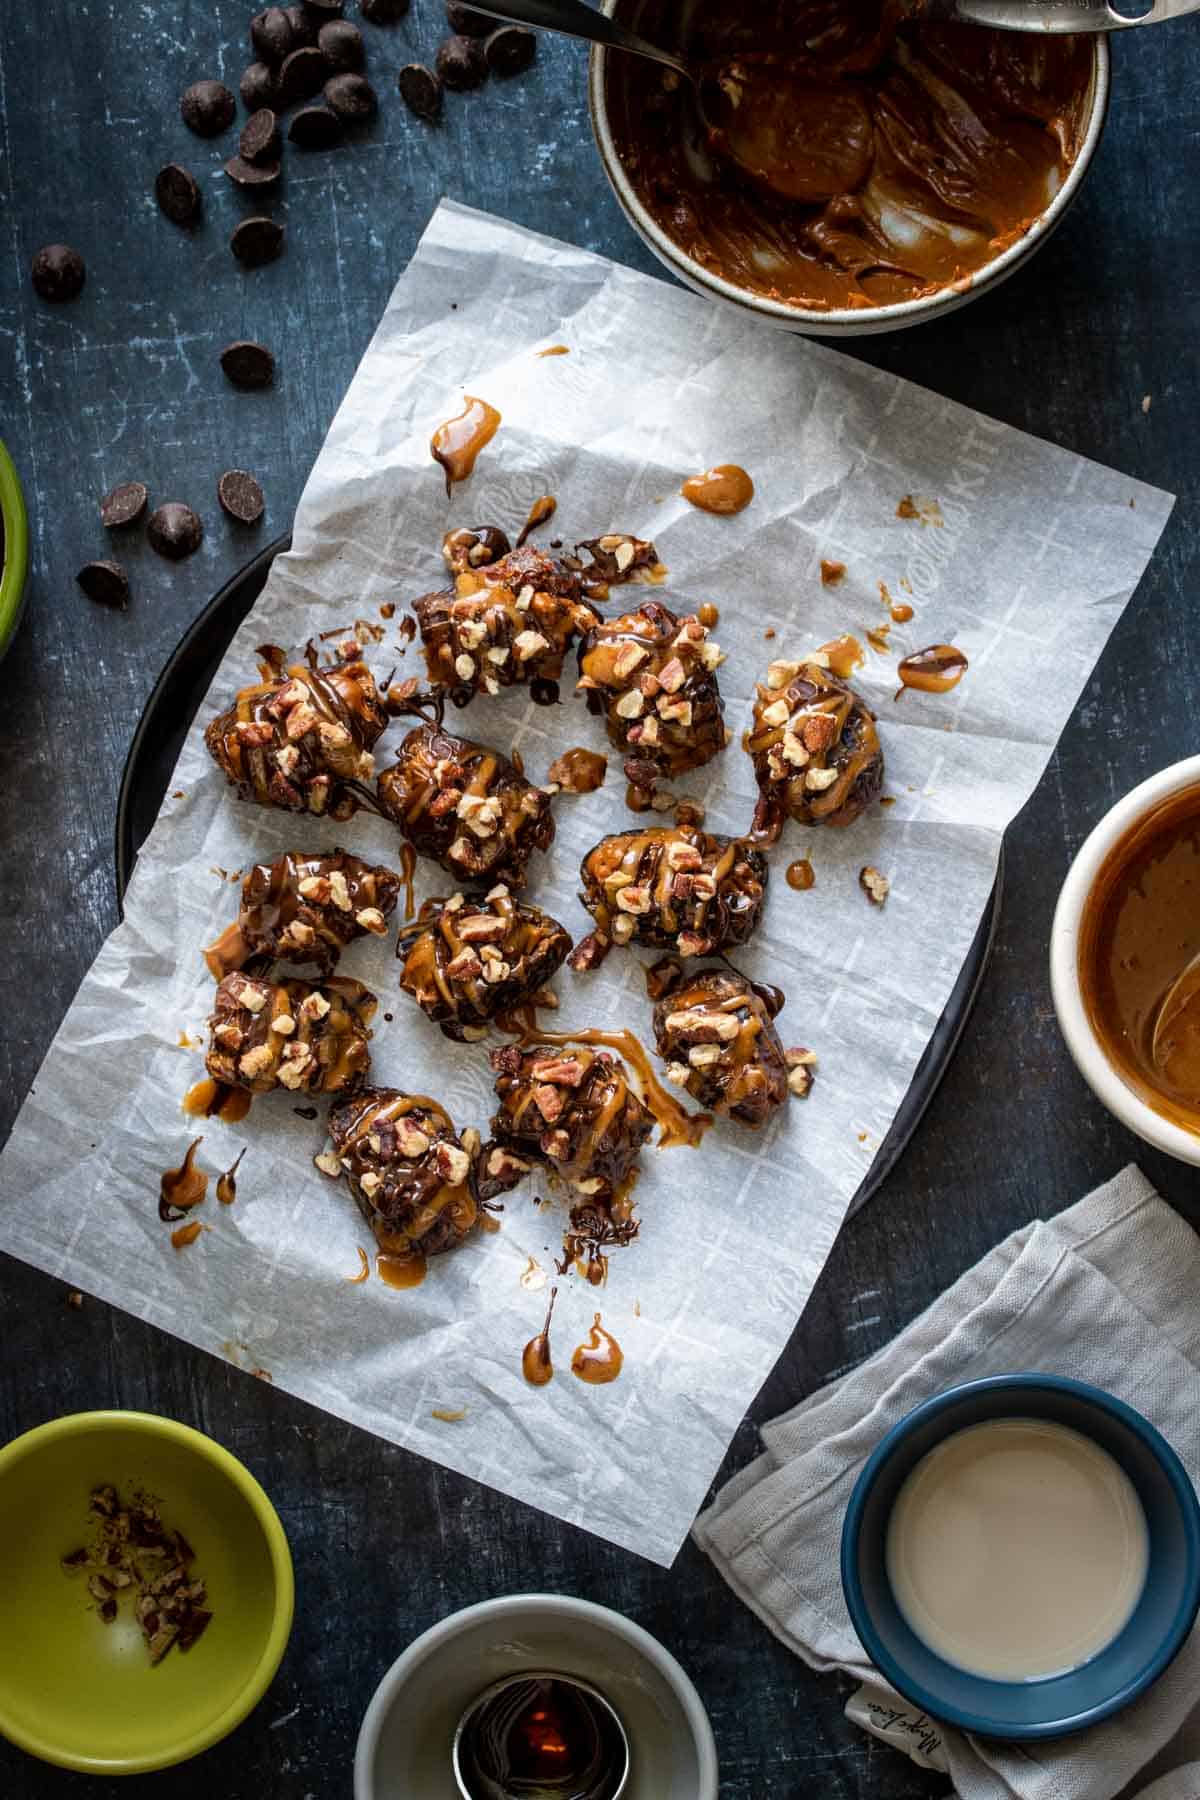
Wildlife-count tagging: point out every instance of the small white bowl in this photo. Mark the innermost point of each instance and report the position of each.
(1106, 1081)
(404, 1743)
(838, 321)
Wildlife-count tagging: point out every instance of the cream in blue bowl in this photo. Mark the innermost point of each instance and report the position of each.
(1021, 1556)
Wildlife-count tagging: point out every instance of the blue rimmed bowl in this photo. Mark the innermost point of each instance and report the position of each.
(1055, 1704)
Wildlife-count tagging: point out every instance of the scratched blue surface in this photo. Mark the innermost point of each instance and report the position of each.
(125, 384)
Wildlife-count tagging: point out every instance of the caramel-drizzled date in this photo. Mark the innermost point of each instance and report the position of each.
(715, 1033)
(290, 1034)
(409, 1170)
(299, 741)
(465, 806)
(673, 888)
(652, 676)
(571, 1109)
(814, 747)
(506, 623)
(468, 960)
(306, 909)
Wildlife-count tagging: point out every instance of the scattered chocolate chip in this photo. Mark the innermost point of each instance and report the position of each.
(252, 175)
(178, 194)
(259, 142)
(384, 12)
(241, 496)
(257, 241)
(466, 22)
(341, 44)
(271, 34)
(316, 128)
(124, 505)
(461, 62)
(248, 365)
(174, 530)
(510, 50)
(258, 87)
(208, 108)
(304, 73)
(420, 90)
(58, 273)
(105, 582)
(351, 97)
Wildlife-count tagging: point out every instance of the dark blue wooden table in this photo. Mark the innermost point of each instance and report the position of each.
(125, 384)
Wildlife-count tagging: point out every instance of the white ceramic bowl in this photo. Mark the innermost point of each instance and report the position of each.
(840, 321)
(404, 1745)
(1102, 1077)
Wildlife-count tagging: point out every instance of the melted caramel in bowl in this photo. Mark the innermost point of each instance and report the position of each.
(1140, 931)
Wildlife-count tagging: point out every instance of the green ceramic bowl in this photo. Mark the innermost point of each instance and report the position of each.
(83, 1694)
(14, 550)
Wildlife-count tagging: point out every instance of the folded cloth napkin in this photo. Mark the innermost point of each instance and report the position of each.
(1107, 1292)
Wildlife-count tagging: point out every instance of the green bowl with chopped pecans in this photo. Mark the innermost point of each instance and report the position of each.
(123, 1538)
(14, 549)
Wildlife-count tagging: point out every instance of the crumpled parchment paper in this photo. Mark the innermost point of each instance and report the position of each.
(1037, 554)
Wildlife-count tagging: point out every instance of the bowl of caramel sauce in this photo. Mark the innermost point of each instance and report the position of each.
(1125, 960)
(879, 169)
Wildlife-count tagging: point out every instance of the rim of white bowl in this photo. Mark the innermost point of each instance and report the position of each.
(1102, 1076)
(553, 1605)
(842, 321)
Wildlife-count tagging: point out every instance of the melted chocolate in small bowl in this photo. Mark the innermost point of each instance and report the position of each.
(541, 1736)
(1139, 958)
(844, 168)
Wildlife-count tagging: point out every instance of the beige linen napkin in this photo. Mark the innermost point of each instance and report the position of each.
(1108, 1292)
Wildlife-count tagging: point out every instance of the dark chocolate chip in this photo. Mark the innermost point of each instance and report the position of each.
(259, 87)
(304, 73)
(208, 108)
(304, 31)
(351, 97)
(251, 175)
(124, 505)
(341, 44)
(174, 530)
(178, 194)
(384, 12)
(271, 34)
(420, 90)
(241, 496)
(257, 241)
(461, 62)
(259, 142)
(248, 365)
(465, 21)
(510, 50)
(58, 273)
(105, 582)
(316, 128)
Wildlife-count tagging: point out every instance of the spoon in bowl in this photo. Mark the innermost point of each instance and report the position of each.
(1181, 998)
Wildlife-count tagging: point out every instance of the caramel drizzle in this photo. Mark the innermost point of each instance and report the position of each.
(540, 512)
(725, 489)
(182, 1188)
(408, 869)
(364, 1269)
(227, 1182)
(207, 1099)
(934, 670)
(457, 441)
(537, 1366)
(600, 1360)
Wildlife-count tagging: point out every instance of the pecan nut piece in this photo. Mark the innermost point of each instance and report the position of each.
(468, 960)
(815, 749)
(409, 1170)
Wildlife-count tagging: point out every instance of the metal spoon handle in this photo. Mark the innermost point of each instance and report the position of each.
(1058, 15)
(575, 19)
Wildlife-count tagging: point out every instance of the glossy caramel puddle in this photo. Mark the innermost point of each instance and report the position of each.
(1140, 930)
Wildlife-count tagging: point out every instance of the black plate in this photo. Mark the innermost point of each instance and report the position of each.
(168, 717)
